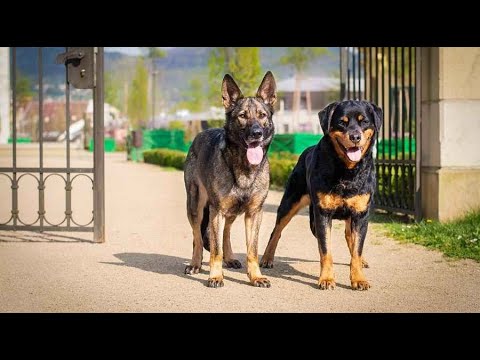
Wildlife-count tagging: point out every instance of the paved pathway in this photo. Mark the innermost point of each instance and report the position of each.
(140, 267)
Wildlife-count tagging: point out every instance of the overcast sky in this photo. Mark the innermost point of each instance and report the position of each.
(128, 50)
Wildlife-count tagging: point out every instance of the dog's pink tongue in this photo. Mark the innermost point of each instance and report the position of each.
(255, 155)
(354, 154)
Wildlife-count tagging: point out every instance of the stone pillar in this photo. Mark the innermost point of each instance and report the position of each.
(450, 145)
(4, 94)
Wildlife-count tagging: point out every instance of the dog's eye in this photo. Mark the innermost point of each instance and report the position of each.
(241, 115)
(261, 115)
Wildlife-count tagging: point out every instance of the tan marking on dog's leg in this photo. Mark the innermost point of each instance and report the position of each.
(216, 228)
(348, 237)
(348, 234)
(327, 277)
(357, 278)
(252, 226)
(269, 254)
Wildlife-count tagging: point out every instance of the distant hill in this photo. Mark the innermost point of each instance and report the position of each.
(197, 57)
(177, 68)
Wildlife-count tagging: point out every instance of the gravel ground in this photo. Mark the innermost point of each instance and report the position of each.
(140, 267)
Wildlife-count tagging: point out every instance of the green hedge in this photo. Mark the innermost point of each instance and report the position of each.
(281, 164)
(281, 168)
(165, 157)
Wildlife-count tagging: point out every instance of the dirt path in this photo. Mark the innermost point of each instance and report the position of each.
(140, 267)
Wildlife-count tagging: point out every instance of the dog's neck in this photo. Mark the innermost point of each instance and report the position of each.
(236, 158)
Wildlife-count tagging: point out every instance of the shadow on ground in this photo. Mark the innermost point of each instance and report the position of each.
(40, 238)
(272, 208)
(173, 265)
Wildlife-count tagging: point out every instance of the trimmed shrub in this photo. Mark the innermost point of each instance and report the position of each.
(165, 157)
(281, 164)
(282, 155)
(280, 170)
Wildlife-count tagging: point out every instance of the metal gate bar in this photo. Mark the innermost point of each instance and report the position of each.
(97, 221)
(41, 187)
(389, 77)
(98, 155)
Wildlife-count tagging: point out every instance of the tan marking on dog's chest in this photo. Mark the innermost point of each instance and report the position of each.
(255, 202)
(358, 203)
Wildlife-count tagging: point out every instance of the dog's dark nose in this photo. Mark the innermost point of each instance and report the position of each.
(355, 137)
(256, 131)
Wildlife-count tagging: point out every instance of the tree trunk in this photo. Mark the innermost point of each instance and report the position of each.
(296, 101)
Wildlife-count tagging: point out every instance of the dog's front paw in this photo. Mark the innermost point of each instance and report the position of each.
(215, 282)
(326, 284)
(266, 262)
(233, 263)
(260, 282)
(360, 285)
(192, 269)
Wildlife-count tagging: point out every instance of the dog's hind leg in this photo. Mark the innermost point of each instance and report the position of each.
(196, 201)
(228, 257)
(216, 230)
(204, 226)
(292, 202)
(348, 237)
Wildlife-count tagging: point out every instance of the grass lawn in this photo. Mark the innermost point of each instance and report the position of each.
(456, 239)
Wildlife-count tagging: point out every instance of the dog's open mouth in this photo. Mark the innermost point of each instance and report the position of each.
(254, 152)
(353, 153)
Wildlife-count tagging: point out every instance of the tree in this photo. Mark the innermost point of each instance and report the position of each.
(112, 89)
(23, 88)
(300, 58)
(243, 63)
(176, 125)
(153, 53)
(137, 97)
(195, 95)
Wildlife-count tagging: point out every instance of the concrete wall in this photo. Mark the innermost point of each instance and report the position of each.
(4, 95)
(450, 174)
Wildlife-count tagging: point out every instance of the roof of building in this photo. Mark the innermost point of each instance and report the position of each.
(310, 84)
(313, 84)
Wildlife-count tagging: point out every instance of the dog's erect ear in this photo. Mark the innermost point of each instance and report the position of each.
(377, 113)
(325, 116)
(267, 90)
(230, 91)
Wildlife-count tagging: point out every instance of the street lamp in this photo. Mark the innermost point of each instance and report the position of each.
(154, 77)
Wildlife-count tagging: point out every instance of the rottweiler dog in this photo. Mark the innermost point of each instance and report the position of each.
(227, 174)
(336, 179)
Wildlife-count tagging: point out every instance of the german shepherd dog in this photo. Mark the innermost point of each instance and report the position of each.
(336, 178)
(227, 174)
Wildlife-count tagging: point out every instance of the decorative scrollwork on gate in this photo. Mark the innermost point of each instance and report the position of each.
(41, 186)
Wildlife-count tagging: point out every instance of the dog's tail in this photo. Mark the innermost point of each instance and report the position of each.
(204, 227)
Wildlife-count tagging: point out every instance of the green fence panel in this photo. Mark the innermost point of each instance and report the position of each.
(21, 140)
(402, 146)
(293, 143)
(160, 138)
(109, 144)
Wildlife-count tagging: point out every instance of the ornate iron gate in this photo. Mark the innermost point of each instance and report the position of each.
(84, 70)
(389, 76)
